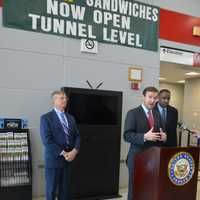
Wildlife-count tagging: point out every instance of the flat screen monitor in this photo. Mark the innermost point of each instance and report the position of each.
(94, 107)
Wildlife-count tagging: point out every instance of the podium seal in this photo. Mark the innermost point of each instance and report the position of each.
(181, 168)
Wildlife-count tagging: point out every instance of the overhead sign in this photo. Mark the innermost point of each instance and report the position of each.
(196, 58)
(176, 56)
(123, 22)
(180, 56)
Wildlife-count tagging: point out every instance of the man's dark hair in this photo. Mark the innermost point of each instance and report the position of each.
(164, 90)
(149, 89)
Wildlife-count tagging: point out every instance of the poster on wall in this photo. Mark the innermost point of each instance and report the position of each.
(122, 22)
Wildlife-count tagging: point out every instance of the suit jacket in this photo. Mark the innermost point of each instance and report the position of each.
(136, 125)
(54, 140)
(170, 125)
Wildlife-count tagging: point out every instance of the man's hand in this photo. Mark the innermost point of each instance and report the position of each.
(70, 156)
(152, 136)
(163, 136)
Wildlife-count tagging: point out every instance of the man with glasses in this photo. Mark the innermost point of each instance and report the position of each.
(61, 140)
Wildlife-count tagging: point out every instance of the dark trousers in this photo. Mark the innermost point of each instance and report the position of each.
(58, 183)
(130, 184)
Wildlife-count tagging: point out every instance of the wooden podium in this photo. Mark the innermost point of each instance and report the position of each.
(166, 174)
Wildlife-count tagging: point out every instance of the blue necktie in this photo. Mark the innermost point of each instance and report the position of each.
(164, 114)
(65, 126)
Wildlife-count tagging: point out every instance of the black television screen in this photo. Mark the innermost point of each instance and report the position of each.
(94, 107)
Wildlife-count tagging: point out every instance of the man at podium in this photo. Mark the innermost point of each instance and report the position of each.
(143, 129)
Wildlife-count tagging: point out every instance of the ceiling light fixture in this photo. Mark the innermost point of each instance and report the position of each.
(182, 81)
(162, 78)
(192, 73)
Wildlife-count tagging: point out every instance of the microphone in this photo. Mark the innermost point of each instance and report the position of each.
(183, 127)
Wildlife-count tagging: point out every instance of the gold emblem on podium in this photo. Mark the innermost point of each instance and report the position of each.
(181, 168)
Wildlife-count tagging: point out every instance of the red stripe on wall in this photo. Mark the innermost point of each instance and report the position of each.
(1, 3)
(178, 27)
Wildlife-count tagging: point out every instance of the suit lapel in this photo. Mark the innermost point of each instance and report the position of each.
(168, 115)
(156, 116)
(143, 117)
(69, 122)
(56, 120)
(159, 120)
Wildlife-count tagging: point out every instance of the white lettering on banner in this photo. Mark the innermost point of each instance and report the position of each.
(90, 32)
(155, 14)
(61, 26)
(148, 15)
(34, 20)
(116, 20)
(71, 28)
(138, 44)
(123, 6)
(52, 7)
(46, 23)
(135, 10)
(127, 8)
(58, 26)
(142, 12)
(98, 4)
(114, 5)
(82, 31)
(65, 10)
(122, 37)
(113, 21)
(98, 17)
(90, 2)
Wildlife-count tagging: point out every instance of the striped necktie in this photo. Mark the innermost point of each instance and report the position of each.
(65, 126)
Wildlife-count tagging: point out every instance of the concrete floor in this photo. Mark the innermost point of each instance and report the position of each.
(123, 192)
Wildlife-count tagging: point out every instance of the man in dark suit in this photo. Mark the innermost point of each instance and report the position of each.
(169, 116)
(143, 129)
(61, 140)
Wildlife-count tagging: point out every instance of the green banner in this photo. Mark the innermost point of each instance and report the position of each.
(123, 22)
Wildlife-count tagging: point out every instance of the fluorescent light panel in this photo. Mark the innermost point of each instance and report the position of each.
(181, 81)
(192, 73)
(162, 78)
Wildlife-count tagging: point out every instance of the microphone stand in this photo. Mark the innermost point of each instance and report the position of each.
(183, 127)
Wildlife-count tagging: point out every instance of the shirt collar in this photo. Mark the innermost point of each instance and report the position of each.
(146, 110)
(57, 111)
(161, 108)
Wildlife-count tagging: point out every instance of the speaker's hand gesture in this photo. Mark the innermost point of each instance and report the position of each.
(152, 136)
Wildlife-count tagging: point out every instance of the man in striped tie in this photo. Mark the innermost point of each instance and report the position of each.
(143, 129)
(61, 140)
